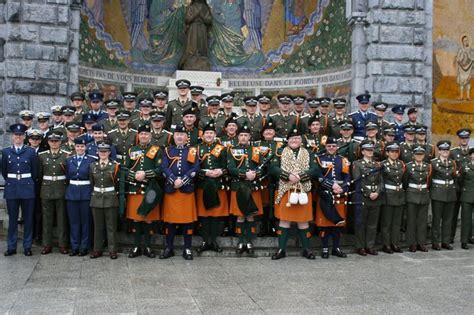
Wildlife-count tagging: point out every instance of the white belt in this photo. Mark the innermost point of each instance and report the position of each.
(80, 182)
(104, 189)
(443, 182)
(53, 178)
(420, 187)
(19, 176)
(393, 187)
(119, 156)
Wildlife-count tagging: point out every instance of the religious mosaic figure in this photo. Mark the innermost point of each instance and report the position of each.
(464, 64)
(294, 16)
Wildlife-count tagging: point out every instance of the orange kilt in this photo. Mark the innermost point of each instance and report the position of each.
(133, 202)
(179, 207)
(295, 213)
(221, 211)
(234, 206)
(341, 208)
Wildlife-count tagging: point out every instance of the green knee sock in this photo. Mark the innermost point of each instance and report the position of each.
(205, 227)
(138, 231)
(148, 231)
(283, 234)
(239, 230)
(305, 236)
(214, 229)
(250, 230)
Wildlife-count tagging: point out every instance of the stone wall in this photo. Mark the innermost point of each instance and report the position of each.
(39, 44)
(393, 56)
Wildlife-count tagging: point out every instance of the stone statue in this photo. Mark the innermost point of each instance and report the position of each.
(198, 22)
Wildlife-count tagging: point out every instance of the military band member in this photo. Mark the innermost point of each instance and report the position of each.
(334, 120)
(52, 172)
(380, 108)
(406, 147)
(111, 106)
(145, 105)
(104, 201)
(20, 171)
(417, 179)
(96, 101)
(314, 140)
(392, 211)
(230, 139)
(99, 135)
(264, 105)
(197, 97)
(244, 163)
(379, 148)
(461, 155)
(189, 122)
(211, 195)
(347, 146)
(77, 101)
(361, 117)
(467, 199)
(159, 136)
(368, 198)
(397, 123)
(161, 98)
(214, 113)
(143, 165)
(73, 130)
(174, 112)
(123, 137)
(284, 119)
(331, 212)
(421, 131)
(180, 168)
(251, 118)
(443, 196)
(301, 116)
(294, 167)
(313, 105)
(78, 195)
(130, 104)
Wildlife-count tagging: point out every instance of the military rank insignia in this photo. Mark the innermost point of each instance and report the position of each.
(217, 150)
(191, 155)
(152, 152)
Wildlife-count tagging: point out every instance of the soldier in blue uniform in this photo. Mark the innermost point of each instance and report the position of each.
(398, 112)
(88, 121)
(20, 171)
(99, 135)
(78, 196)
(361, 117)
(96, 100)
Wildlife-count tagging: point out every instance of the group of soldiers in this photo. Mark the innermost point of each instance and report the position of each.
(192, 164)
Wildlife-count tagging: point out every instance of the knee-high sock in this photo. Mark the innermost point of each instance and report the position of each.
(205, 228)
(170, 233)
(283, 234)
(239, 230)
(138, 231)
(148, 231)
(187, 235)
(336, 238)
(214, 229)
(305, 236)
(250, 231)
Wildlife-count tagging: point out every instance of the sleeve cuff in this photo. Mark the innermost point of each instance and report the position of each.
(285, 175)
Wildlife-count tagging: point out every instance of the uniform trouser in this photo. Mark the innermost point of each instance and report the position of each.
(366, 228)
(50, 208)
(105, 217)
(38, 220)
(417, 220)
(13, 208)
(466, 220)
(441, 231)
(454, 224)
(391, 221)
(79, 214)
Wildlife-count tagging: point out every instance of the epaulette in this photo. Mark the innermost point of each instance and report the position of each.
(131, 129)
(112, 131)
(275, 114)
(292, 114)
(455, 148)
(305, 115)
(353, 113)
(92, 156)
(358, 141)
(434, 159)
(44, 152)
(166, 131)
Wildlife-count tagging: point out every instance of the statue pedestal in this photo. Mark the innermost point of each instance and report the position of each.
(211, 81)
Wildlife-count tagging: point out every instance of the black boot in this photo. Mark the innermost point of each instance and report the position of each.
(325, 253)
(204, 247)
(187, 254)
(279, 254)
(338, 252)
(308, 254)
(241, 248)
(134, 252)
(148, 252)
(167, 253)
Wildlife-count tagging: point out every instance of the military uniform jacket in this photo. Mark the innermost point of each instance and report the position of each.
(241, 159)
(314, 142)
(229, 141)
(429, 151)
(379, 150)
(399, 132)
(76, 171)
(460, 155)
(443, 181)
(92, 151)
(162, 138)
(99, 115)
(103, 180)
(335, 168)
(406, 152)
(180, 162)
(334, 130)
(371, 182)
(393, 182)
(109, 125)
(283, 124)
(219, 121)
(349, 149)
(254, 124)
(122, 142)
(174, 112)
(302, 121)
(383, 124)
(52, 174)
(467, 183)
(139, 121)
(142, 158)
(212, 156)
(359, 121)
(20, 171)
(417, 180)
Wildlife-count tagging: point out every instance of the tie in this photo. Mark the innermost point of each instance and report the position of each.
(102, 165)
(264, 120)
(79, 160)
(18, 150)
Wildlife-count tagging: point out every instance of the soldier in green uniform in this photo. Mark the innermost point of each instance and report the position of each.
(77, 100)
(443, 196)
(56, 117)
(379, 148)
(392, 210)
(160, 137)
(467, 200)
(251, 118)
(406, 147)
(368, 198)
(301, 116)
(421, 131)
(110, 123)
(388, 135)
(264, 105)
(461, 155)
(52, 171)
(73, 130)
(284, 119)
(313, 105)
(189, 122)
(227, 105)
(104, 201)
(175, 109)
(145, 105)
(335, 119)
(348, 147)
(211, 194)
(314, 140)
(412, 114)
(197, 97)
(130, 104)
(123, 137)
(416, 181)
(380, 108)
(214, 113)
(229, 139)
(324, 114)
(161, 96)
